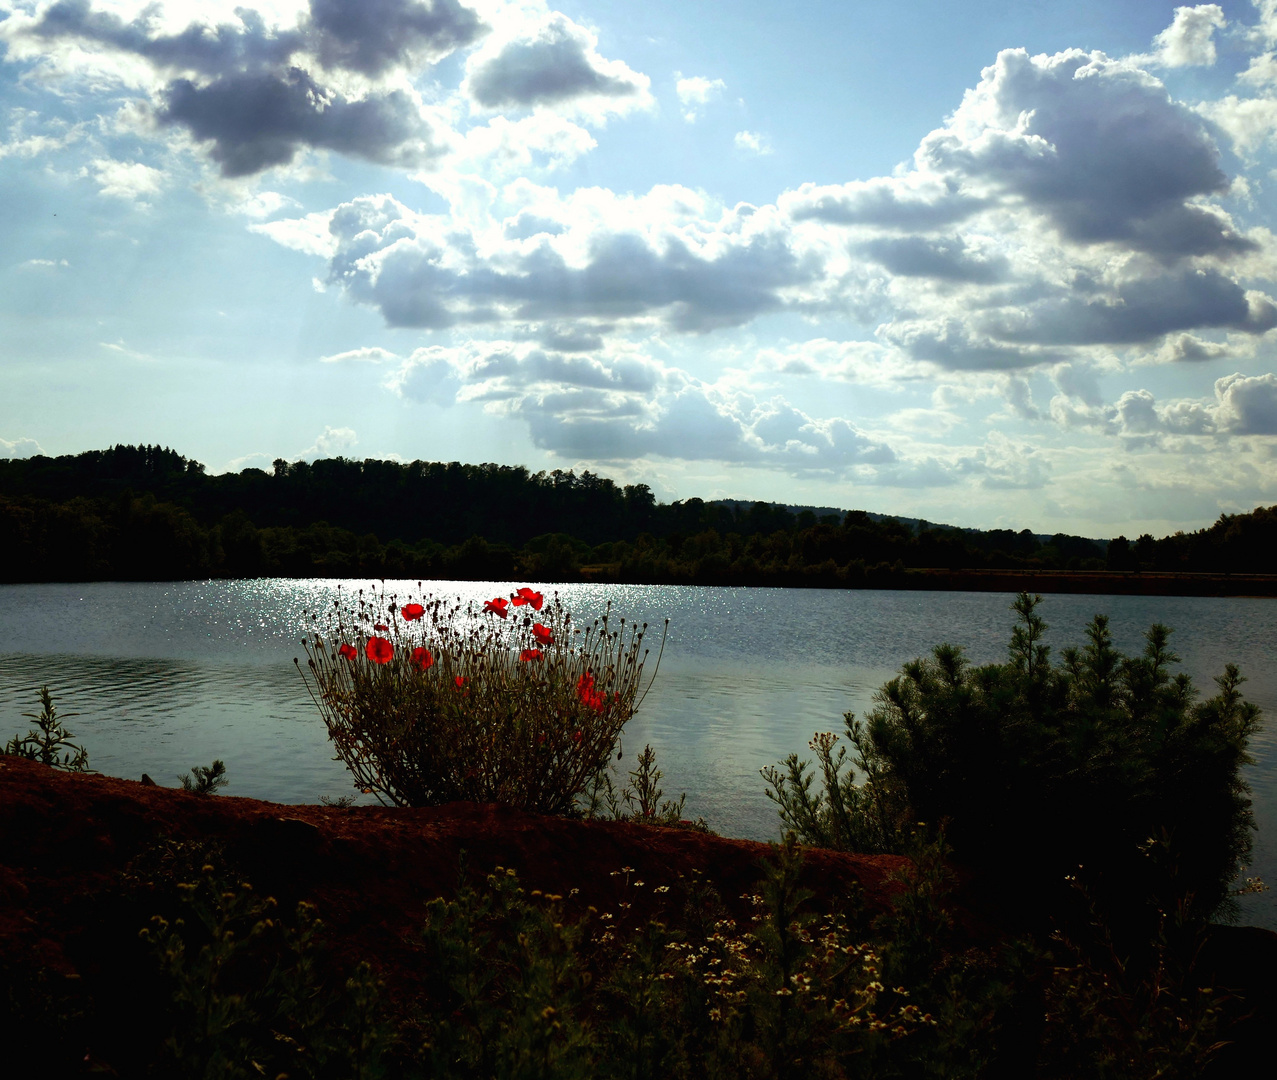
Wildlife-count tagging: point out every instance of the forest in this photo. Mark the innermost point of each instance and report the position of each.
(148, 513)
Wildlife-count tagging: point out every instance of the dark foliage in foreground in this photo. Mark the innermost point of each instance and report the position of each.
(537, 985)
(1103, 770)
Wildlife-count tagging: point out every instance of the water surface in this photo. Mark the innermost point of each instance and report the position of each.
(165, 676)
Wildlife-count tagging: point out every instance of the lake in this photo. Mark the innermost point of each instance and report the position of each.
(166, 676)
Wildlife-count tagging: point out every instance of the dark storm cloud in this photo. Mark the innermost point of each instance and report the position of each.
(255, 121)
(205, 49)
(370, 36)
(1139, 311)
(1097, 146)
(254, 98)
(558, 64)
(946, 259)
(950, 344)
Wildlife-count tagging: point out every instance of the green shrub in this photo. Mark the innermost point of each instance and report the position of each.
(49, 742)
(438, 701)
(205, 779)
(641, 799)
(1103, 761)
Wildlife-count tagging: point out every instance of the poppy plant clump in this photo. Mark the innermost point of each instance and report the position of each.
(508, 700)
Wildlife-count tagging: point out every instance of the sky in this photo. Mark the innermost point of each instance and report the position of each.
(992, 264)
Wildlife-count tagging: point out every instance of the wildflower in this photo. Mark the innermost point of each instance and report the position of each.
(530, 654)
(586, 692)
(576, 736)
(379, 650)
(542, 634)
(412, 611)
(460, 680)
(421, 658)
(348, 651)
(382, 628)
(527, 596)
(497, 606)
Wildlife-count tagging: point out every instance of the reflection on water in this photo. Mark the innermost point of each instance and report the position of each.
(166, 676)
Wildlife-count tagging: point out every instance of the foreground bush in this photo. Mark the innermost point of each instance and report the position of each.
(1104, 768)
(438, 701)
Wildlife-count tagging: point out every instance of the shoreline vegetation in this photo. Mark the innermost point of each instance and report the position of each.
(148, 514)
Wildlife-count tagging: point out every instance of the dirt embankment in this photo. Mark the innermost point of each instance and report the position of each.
(66, 839)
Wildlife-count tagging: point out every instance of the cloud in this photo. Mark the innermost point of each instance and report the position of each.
(257, 94)
(622, 404)
(1247, 405)
(1187, 348)
(367, 37)
(1096, 146)
(331, 442)
(752, 142)
(943, 258)
(1189, 40)
(128, 180)
(553, 62)
(373, 36)
(255, 121)
(910, 203)
(1243, 405)
(19, 448)
(369, 354)
(654, 258)
(263, 204)
(695, 92)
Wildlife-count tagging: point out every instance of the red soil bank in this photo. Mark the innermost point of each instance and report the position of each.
(369, 870)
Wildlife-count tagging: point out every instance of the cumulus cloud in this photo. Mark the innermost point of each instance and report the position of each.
(1180, 348)
(912, 202)
(1095, 145)
(19, 448)
(610, 257)
(621, 404)
(1247, 405)
(255, 121)
(255, 93)
(552, 62)
(128, 180)
(752, 142)
(331, 442)
(695, 92)
(1189, 40)
(1243, 405)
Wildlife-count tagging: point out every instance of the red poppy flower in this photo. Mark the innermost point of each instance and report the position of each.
(530, 654)
(497, 606)
(576, 736)
(348, 651)
(421, 658)
(381, 628)
(527, 596)
(379, 650)
(412, 611)
(542, 634)
(460, 680)
(594, 699)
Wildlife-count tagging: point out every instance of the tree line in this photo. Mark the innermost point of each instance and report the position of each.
(148, 513)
